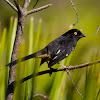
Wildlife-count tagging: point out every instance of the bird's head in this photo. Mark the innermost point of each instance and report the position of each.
(75, 34)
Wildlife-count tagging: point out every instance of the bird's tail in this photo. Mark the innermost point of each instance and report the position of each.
(34, 55)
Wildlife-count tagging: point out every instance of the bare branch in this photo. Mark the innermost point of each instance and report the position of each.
(17, 5)
(38, 9)
(83, 65)
(41, 95)
(59, 69)
(26, 3)
(97, 30)
(11, 5)
(75, 12)
(48, 72)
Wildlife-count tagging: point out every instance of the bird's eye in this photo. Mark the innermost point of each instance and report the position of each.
(75, 33)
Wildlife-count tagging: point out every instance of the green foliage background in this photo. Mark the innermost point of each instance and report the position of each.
(40, 29)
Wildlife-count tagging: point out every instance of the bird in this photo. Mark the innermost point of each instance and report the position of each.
(56, 50)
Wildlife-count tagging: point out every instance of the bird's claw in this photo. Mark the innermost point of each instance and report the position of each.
(51, 70)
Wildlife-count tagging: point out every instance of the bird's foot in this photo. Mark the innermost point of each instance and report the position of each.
(51, 70)
(66, 67)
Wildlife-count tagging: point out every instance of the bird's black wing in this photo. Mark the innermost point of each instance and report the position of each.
(62, 53)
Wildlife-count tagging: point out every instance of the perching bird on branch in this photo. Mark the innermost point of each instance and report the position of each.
(57, 50)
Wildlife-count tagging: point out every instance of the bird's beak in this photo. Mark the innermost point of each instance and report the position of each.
(83, 35)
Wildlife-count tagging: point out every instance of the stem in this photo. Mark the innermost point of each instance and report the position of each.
(11, 5)
(38, 9)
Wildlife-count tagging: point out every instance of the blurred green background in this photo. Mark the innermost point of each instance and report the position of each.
(40, 29)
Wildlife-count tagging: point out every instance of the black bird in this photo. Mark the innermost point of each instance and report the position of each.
(57, 50)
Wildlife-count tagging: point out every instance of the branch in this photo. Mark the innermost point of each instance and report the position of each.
(17, 5)
(11, 5)
(38, 9)
(48, 72)
(41, 95)
(26, 3)
(58, 69)
(75, 12)
(97, 30)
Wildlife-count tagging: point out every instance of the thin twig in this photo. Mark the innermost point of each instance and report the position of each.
(71, 79)
(35, 3)
(38, 9)
(75, 12)
(41, 95)
(17, 5)
(97, 30)
(11, 5)
(74, 84)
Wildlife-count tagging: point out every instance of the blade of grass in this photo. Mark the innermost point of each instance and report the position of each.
(91, 81)
(19, 93)
(36, 61)
(2, 69)
(98, 89)
(2, 45)
(54, 94)
(0, 30)
(10, 42)
(37, 36)
(29, 66)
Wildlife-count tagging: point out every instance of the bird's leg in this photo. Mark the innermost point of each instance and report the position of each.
(64, 66)
(51, 69)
